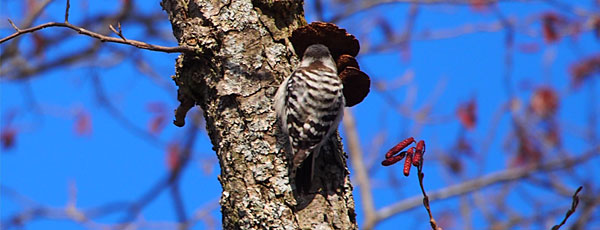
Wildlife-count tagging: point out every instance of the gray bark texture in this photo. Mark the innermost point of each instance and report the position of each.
(243, 53)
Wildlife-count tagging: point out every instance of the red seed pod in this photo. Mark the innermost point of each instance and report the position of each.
(418, 158)
(399, 147)
(421, 147)
(416, 161)
(409, 155)
(394, 159)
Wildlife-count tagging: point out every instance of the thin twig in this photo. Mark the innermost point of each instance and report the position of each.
(67, 12)
(586, 217)
(103, 38)
(120, 33)
(13, 25)
(113, 29)
(571, 210)
(434, 225)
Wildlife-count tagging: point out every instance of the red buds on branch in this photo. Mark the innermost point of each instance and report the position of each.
(418, 158)
(409, 157)
(394, 159)
(414, 155)
(403, 144)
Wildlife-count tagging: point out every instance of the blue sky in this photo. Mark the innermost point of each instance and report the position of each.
(114, 164)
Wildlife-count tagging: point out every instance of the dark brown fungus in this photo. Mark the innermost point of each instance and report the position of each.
(336, 39)
(344, 61)
(356, 85)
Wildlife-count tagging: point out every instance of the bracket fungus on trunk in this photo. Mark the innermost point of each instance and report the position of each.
(343, 48)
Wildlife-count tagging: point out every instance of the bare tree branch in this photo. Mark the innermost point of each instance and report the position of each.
(362, 176)
(571, 210)
(67, 11)
(103, 38)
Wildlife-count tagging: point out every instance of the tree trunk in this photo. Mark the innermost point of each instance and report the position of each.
(242, 55)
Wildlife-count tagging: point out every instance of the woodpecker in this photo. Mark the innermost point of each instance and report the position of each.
(309, 105)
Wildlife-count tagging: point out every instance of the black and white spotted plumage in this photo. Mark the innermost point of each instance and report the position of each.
(309, 104)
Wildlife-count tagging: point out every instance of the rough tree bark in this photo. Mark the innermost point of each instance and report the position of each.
(242, 55)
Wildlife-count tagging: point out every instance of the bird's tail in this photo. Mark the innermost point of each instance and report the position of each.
(304, 174)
